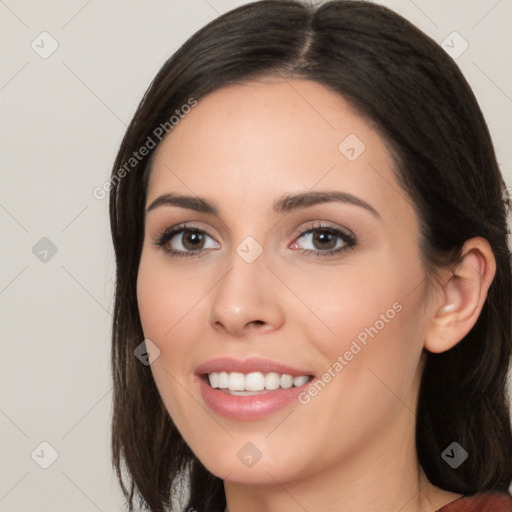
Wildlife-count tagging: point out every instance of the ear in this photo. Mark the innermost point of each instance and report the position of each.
(461, 297)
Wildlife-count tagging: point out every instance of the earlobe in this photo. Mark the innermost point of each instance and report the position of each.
(461, 297)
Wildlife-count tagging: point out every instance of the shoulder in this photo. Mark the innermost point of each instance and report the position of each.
(491, 501)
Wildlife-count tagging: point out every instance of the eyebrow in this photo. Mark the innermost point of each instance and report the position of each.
(287, 203)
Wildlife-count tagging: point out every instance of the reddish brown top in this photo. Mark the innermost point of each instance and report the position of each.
(484, 502)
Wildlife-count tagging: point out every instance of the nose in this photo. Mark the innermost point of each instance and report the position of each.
(245, 300)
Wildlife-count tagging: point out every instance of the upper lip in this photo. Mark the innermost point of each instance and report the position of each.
(249, 365)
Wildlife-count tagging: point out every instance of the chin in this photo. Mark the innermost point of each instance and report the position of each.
(243, 462)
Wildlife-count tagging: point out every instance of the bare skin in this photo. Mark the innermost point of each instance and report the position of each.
(351, 446)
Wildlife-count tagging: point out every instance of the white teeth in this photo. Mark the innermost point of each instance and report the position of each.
(255, 381)
(223, 380)
(214, 380)
(272, 381)
(300, 381)
(236, 381)
(286, 381)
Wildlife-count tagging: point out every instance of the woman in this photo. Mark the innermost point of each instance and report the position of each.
(313, 290)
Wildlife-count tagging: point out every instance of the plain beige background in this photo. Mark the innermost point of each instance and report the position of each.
(63, 116)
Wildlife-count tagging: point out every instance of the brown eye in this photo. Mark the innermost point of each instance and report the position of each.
(324, 241)
(192, 240)
(186, 241)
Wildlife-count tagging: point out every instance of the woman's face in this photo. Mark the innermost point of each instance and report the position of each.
(251, 291)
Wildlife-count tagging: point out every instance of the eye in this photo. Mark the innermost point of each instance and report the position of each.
(188, 241)
(191, 241)
(324, 240)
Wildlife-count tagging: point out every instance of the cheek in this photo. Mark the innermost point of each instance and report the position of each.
(153, 300)
(371, 373)
(172, 309)
(347, 302)
(368, 326)
(168, 316)
(164, 296)
(165, 308)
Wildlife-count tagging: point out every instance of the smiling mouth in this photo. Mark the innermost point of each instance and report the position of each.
(254, 383)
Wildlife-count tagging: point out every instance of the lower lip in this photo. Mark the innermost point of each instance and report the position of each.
(249, 407)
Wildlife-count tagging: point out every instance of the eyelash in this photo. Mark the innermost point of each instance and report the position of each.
(347, 238)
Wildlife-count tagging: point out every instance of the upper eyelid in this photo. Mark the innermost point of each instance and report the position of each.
(340, 229)
(179, 228)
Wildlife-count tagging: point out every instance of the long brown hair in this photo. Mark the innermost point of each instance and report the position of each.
(399, 78)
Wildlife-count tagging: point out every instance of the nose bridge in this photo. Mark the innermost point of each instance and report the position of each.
(244, 297)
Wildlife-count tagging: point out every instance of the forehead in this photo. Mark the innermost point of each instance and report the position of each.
(248, 144)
